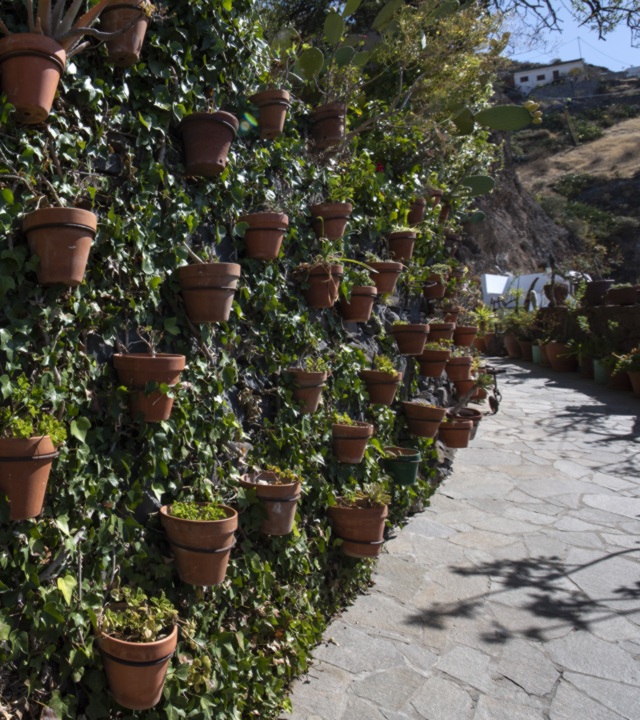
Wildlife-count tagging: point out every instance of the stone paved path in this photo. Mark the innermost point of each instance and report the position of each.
(516, 595)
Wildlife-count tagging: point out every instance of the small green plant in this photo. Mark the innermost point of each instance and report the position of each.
(630, 362)
(343, 419)
(315, 364)
(383, 364)
(357, 277)
(283, 477)
(423, 402)
(370, 496)
(439, 271)
(440, 345)
(143, 619)
(459, 352)
(25, 416)
(195, 511)
(398, 323)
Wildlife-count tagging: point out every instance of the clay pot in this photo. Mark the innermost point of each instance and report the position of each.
(622, 296)
(401, 245)
(432, 362)
(441, 331)
(263, 238)
(595, 292)
(434, 290)
(480, 344)
(423, 420)
(456, 433)
(360, 306)
(436, 197)
(417, 211)
(544, 356)
(525, 350)
(31, 65)
(381, 386)
(273, 106)
(124, 50)
(468, 414)
(136, 671)
(634, 379)
(458, 368)
(350, 441)
(618, 381)
(280, 501)
(464, 335)
(410, 339)
(403, 468)
(512, 346)
(330, 219)
(328, 125)
(61, 238)
(207, 138)
(135, 370)
(208, 290)
(361, 529)
(201, 548)
(307, 388)
(324, 284)
(560, 358)
(463, 386)
(386, 275)
(451, 313)
(25, 464)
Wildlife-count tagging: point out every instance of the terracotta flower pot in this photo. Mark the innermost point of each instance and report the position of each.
(124, 50)
(512, 346)
(436, 197)
(31, 65)
(434, 290)
(456, 433)
(463, 386)
(451, 314)
(307, 388)
(458, 368)
(350, 441)
(381, 386)
(136, 671)
(328, 125)
(634, 379)
(273, 106)
(618, 381)
(135, 370)
(622, 296)
(61, 238)
(432, 362)
(263, 238)
(208, 290)
(330, 219)
(441, 331)
(324, 284)
(360, 306)
(560, 357)
(525, 350)
(417, 211)
(207, 138)
(468, 414)
(280, 501)
(403, 468)
(595, 292)
(361, 529)
(464, 335)
(25, 465)
(410, 339)
(386, 275)
(201, 548)
(444, 214)
(480, 344)
(401, 245)
(423, 420)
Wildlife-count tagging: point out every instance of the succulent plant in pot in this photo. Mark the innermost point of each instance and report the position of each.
(358, 292)
(279, 491)
(136, 635)
(382, 380)
(358, 519)
(29, 437)
(350, 438)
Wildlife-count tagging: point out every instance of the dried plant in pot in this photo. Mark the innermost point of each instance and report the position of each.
(350, 439)
(208, 289)
(29, 438)
(279, 491)
(321, 277)
(423, 418)
(308, 382)
(136, 636)
(358, 296)
(201, 535)
(434, 358)
(410, 337)
(358, 519)
(382, 381)
(207, 138)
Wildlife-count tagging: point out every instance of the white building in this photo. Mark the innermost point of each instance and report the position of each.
(528, 78)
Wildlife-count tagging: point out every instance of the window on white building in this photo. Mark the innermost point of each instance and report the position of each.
(541, 77)
(524, 78)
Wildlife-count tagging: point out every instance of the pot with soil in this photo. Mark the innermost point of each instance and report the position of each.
(512, 346)
(124, 50)
(360, 305)
(459, 368)
(433, 361)
(207, 138)
(201, 535)
(307, 388)
(273, 106)
(423, 420)
(350, 440)
(61, 238)
(135, 370)
(323, 284)
(455, 433)
(381, 386)
(561, 358)
(434, 288)
(279, 492)
(410, 338)
(401, 245)
(208, 290)
(263, 238)
(441, 331)
(386, 275)
(330, 219)
(328, 125)
(402, 464)
(464, 335)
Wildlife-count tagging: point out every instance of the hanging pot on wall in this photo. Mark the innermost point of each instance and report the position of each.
(433, 362)
(208, 290)
(360, 528)
(307, 388)
(207, 138)
(441, 331)
(328, 125)
(409, 338)
(31, 65)
(464, 335)
(280, 501)
(124, 50)
(467, 413)
(324, 285)
(350, 441)
(360, 306)
(263, 238)
(595, 292)
(455, 433)
(330, 219)
(401, 245)
(381, 386)
(434, 288)
(273, 105)
(386, 275)
(417, 211)
(458, 368)
(423, 420)
(61, 238)
(403, 468)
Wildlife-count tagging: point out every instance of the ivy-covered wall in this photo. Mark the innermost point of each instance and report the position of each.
(112, 144)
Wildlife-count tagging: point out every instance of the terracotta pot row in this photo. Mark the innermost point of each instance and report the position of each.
(427, 422)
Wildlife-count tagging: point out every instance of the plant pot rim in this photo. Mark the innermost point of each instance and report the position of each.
(260, 97)
(413, 453)
(22, 42)
(457, 425)
(36, 446)
(380, 374)
(218, 116)
(364, 290)
(265, 216)
(46, 217)
(421, 328)
(403, 234)
(231, 514)
(355, 424)
(129, 644)
(327, 206)
(121, 357)
(249, 479)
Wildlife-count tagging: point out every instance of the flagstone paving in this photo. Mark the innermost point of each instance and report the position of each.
(516, 594)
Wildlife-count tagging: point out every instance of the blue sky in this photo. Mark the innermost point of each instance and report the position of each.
(615, 52)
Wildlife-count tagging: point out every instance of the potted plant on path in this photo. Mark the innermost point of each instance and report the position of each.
(358, 519)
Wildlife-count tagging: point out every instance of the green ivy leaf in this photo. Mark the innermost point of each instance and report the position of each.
(79, 427)
(67, 585)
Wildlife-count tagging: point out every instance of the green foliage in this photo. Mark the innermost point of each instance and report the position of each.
(283, 476)
(142, 619)
(315, 364)
(27, 410)
(384, 364)
(371, 495)
(629, 362)
(196, 511)
(343, 419)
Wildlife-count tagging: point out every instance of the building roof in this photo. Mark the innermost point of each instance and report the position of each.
(525, 68)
